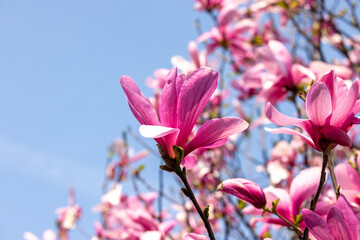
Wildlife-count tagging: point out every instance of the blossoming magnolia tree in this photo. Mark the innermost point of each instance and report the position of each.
(239, 177)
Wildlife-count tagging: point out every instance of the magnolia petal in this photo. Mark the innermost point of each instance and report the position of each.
(292, 132)
(150, 131)
(188, 162)
(356, 107)
(317, 225)
(284, 207)
(195, 92)
(301, 74)
(333, 135)
(226, 15)
(194, 53)
(318, 103)
(165, 227)
(216, 144)
(214, 130)
(347, 176)
(337, 224)
(281, 119)
(141, 106)
(245, 25)
(320, 68)
(269, 60)
(349, 216)
(282, 55)
(345, 108)
(303, 186)
(168, 101)
(245, 190)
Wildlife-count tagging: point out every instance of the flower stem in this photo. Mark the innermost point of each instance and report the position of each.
(190, 194)
(297, 229)
(333, 179)
(326, 153)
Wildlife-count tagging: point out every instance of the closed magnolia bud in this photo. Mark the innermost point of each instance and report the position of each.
(245, 190)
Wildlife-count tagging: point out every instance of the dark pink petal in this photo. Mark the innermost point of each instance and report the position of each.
(150, 131)
(317, 225)
(303, 186)
(214, 130)
(179, 82)
(293, 132)
(168, 109)
(318, 103)
(356, 120)
(215, 144)
(332, 134)
(349, 216)
(345, 108)
(280, 119)
(194, 95)
(245, 190)
(141, 107)
(347, 177)
(338, 226)
(168, 101)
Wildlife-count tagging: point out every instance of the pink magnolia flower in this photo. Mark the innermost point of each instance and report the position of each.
(235, 38)
(245, 190)
(341, 222)
(133, 217)
(302, 188)
(276, 75)
(331, 107)
(181, 103)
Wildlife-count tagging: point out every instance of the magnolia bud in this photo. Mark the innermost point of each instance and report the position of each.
(245, 190)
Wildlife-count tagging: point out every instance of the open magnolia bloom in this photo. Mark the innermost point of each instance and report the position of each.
(341, 222)
(331, 107)
(181, 103)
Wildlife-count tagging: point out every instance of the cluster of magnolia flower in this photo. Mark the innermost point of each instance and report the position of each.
(213, 155)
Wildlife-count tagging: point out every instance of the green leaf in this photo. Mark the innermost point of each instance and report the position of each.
(274, 204)
(241, 204)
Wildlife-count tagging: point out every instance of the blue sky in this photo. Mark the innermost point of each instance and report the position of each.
(60, 99)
